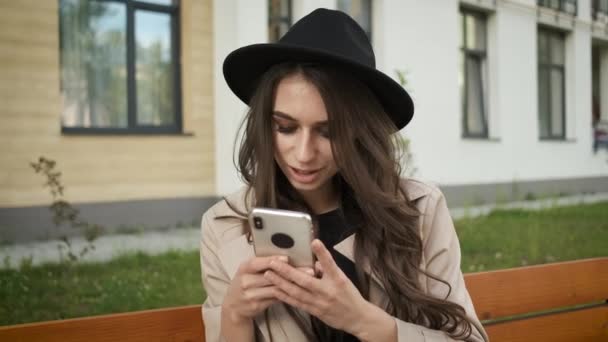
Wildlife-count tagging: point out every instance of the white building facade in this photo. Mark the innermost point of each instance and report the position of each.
(518, 122)
(510, 98)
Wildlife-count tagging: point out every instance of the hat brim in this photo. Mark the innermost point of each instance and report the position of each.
(244, 67)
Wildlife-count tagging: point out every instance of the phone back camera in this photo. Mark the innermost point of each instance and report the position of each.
(282, 240)
(258, 223)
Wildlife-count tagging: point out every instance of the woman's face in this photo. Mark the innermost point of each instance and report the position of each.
(301, 138)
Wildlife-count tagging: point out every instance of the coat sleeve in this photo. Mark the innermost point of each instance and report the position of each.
(441, 253)
(214, 278)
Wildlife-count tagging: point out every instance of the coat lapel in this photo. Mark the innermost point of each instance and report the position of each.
(238, 249)
(347, 248)
(234, 253)
(414, 191)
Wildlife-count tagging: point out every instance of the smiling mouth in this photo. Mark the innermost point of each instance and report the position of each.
(304, 172)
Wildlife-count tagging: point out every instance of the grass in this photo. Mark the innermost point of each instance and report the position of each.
(129, 283)
(512, 238)
(137, 282)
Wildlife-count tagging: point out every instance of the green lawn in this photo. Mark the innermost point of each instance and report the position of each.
(136, 282)
(129, 283)
(512, 238)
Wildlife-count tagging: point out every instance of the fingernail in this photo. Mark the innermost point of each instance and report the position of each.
(283, 258)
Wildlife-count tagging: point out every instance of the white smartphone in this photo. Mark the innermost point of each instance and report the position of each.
(282, 232)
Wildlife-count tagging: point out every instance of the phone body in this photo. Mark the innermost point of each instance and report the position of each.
(282, 232)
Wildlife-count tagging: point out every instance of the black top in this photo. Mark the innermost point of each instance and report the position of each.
(333, 228)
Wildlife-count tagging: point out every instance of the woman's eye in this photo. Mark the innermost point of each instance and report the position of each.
(324, 132)
(285, 129)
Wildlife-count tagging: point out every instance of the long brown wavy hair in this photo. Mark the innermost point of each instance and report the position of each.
(367, 155)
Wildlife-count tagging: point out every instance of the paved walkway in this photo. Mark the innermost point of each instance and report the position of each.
(110, 246)
(106, 246)
(458, 213)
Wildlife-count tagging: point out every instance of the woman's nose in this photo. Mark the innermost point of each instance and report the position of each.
(305, 149)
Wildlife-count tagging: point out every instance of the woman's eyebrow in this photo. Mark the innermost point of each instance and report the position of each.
(283, 115)
(288, 117)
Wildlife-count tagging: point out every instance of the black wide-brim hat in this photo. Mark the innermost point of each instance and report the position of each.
(325, 37)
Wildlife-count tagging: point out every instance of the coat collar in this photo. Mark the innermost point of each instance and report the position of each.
(242, 203)
(414, 190)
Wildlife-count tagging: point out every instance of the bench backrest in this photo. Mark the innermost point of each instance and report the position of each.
(564, 301)
(496, 294)
(181, 324)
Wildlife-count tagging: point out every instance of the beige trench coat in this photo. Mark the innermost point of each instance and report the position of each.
(224, 247)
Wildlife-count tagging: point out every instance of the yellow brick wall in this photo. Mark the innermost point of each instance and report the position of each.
(97, 168)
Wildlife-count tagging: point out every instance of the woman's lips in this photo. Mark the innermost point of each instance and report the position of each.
(304, 176)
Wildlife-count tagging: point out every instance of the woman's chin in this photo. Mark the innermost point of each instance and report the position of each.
(306, 187)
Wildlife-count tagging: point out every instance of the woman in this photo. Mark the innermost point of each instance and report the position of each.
(319, 138)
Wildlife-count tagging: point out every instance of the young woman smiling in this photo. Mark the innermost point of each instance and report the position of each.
(320, 137)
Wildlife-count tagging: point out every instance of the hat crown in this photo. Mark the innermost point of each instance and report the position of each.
(324, 37)
(332, 32)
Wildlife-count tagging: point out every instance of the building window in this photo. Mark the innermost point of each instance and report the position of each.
(599, 91)
(551, 84)
(279, 18)
(119, 66)
(473, 78)
(566, 6)
(599, 10)
(361, 11)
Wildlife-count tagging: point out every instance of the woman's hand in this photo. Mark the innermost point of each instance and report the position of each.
(333, 298)
(250, 292)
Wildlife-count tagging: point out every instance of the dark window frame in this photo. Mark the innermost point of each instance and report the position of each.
(596, 8)
(481, 57)
(278, 20)
(132, 127)
(561, 5)
(549, 67)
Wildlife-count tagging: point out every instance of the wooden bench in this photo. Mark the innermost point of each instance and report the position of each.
(180, 324)
(537, 296)
(529, 291)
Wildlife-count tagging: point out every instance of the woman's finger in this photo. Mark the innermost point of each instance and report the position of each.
(307, 270)
(295, 302)
(250, 281)
(264, 304)
(325, 259)
(260, 264)
(261, 293)
(290, 288)
(318, 269)
(293, 275)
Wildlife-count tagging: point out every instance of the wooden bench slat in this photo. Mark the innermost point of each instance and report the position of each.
(534, 288)
(495, 294)
(182, 324)
(589, 325)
